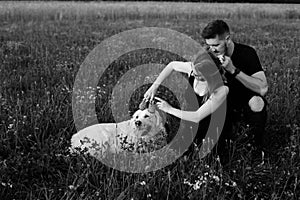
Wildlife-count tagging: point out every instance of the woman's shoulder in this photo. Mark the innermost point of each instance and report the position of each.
(185, 67)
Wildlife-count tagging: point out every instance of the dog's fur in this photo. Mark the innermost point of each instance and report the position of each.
(117, 137)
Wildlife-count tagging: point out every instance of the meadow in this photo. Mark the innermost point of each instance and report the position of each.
(42, 46)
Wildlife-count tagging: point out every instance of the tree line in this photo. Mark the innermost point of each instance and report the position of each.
(209, 1)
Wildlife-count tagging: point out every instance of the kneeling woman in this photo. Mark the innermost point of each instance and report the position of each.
(207, 117)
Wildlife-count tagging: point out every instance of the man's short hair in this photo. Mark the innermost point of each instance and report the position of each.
(215, 28)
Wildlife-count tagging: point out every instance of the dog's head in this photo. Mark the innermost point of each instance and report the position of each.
(147, 122)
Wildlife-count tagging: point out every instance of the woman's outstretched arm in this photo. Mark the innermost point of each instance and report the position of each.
(210, 106)
(179, 66)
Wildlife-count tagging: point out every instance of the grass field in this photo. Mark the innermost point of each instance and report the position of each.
(42, 46)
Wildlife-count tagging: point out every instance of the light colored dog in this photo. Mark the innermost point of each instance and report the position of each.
(117, 137)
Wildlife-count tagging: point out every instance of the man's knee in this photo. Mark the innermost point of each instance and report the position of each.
(256, 104)
(256, 114)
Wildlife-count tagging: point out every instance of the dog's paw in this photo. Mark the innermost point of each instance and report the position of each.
(152, 107)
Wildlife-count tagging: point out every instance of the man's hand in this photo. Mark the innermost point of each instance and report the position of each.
(227, 63)
(257, 82)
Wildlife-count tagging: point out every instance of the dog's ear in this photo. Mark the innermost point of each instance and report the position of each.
(158, 119)
(151, 107)
(143, 105)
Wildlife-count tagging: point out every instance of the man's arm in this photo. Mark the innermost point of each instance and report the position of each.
(256, 82)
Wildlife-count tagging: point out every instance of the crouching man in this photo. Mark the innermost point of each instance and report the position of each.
(245, 76)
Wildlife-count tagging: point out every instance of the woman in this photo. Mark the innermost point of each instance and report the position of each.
(207, 80)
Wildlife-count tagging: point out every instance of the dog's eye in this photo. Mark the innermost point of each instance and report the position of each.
(146, 116)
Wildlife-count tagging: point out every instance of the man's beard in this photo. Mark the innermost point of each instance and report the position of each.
(226, 49)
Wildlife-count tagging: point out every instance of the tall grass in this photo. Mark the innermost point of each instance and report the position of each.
(145, 10)
(42, 47)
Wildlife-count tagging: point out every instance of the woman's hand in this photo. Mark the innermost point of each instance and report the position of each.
(163, 105)
(150, 93)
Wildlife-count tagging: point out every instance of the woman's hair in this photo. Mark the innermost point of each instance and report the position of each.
(219, 65)
(210, 67)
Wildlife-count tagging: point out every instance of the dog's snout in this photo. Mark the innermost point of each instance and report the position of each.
(138, 123)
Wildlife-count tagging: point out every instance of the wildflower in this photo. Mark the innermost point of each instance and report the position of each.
(71, 187)
(216, 178)
(233, 184)
(218, 159)
(148, 195)
(6, 184)
(187, 182)
(143, 183)
(197, 185)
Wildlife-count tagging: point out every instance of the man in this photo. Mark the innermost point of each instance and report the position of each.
(245, 76)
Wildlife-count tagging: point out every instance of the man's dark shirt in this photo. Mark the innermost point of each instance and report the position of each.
(245, 58)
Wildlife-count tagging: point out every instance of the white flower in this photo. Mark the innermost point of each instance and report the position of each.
(187, 182)
(216, 178)
(197, 185)
(10, 126)
(71, 187)
(143, 183)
